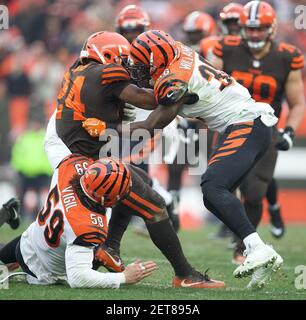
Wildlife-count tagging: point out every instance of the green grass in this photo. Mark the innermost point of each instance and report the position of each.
(201, 251)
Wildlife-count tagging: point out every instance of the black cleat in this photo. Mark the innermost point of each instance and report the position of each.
(277, 223)
(13, 208)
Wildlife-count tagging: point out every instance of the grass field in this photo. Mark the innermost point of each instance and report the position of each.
(202, 252)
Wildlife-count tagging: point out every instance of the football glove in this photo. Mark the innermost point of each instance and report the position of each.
(13, 209)
(94, 127)
(285, 139)
(129, 113)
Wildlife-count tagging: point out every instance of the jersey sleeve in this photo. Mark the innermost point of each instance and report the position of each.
(169, 89)
(224, 46)
(293, 57)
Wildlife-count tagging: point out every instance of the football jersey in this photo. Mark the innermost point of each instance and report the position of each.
(264, 78)
(63, 220)
(206, 46)
(214, 96)
(89, 91)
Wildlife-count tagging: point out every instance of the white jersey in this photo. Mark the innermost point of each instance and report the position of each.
(65, 233)
(218, 99)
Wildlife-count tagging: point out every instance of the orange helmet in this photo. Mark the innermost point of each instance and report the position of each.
(106, 181)
(229, 18)
(132, 17)
(150, 54)
(260, 17)
(106, 47)
(200, 24)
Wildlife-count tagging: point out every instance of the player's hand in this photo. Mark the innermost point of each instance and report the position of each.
(13, 209)
(94, 127)
(285, 139)
(129, 113)
(138, 270)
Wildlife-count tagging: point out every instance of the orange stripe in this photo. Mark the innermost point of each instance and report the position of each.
(298, 59)
(115, 74)
(144, 202)
(297, 65)
(218, 45)
(139, 210)
(235, 143)
(218, 52)
(239, 132)
(220, 155)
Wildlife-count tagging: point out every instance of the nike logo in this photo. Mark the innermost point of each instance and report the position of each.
(170, 94)
(186, 285)
(116, 263)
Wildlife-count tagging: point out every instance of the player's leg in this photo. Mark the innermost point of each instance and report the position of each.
(241, 146)
(277, 223)
(7, 254)
(144, 202)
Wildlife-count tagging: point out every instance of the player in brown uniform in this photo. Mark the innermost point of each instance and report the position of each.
(269, 70)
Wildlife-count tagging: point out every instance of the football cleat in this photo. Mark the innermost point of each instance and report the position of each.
(108, 258)
(197, 280)
(277, 223)
(260, 256)
(263, 275)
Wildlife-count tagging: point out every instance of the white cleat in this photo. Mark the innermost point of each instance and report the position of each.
(263, 275)
(260, 256)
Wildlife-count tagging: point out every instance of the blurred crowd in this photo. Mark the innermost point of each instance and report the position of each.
(44, 38)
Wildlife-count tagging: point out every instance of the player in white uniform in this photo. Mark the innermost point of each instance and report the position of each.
(59, 246)
(188, 85)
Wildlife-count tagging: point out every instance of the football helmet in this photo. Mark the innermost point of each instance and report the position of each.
(229, 18)
(106, 47)
(258, 23)
(106, 181)
(150, 54)
(131, 21)
(198, 25)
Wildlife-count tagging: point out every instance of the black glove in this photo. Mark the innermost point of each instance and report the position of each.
(13, 208)
(285, 139)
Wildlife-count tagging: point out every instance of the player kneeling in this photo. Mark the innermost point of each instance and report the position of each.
(59, 245)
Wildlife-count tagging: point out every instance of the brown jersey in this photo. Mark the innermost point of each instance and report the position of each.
(89, 91)
(264, 78)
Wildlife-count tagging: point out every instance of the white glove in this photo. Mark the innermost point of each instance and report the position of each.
(129, 113)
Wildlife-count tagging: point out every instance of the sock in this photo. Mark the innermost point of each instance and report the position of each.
(117, 225)
(252, 240)
(7, 253)
(4, 216)
(166, 240)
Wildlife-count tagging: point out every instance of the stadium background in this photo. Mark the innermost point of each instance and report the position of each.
(45, 37)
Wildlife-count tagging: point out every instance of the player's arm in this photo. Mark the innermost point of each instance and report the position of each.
(158, 119)
(81, 275)
(294, 89)
(139, 97)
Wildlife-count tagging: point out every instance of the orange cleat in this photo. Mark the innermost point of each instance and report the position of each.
(197, 280)
(108, 258)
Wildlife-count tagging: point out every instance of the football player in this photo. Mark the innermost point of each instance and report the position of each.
(269, 70)
(59, 245)
(66, 236)
(229, 25)
(131, 21)
(186, 84)
(196, 26)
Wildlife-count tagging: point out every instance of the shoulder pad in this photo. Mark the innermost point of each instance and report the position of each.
(169, 89)
(293, 55)
(226, 42)
(113, 73)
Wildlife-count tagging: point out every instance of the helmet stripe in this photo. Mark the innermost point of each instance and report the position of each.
(254, 11)
(143, 54)
(158, 34)
(162, 50)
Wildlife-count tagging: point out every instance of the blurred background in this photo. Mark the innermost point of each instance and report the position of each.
(44, 38)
